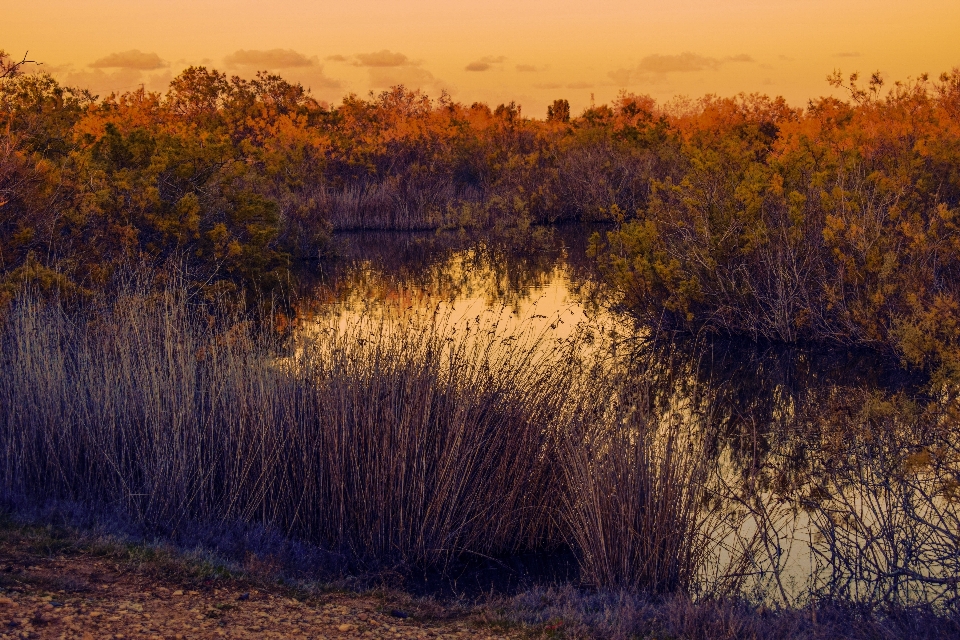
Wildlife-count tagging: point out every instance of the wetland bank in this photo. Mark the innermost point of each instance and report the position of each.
(641, 363)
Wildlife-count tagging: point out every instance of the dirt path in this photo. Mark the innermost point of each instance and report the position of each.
(80, 595)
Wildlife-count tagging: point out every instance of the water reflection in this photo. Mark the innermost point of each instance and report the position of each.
(543, 284)
(398, 269)
(840, 470)
(825, 460)
(763, 397)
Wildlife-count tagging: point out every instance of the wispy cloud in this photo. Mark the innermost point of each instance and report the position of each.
(103, 82)
(528, 68)
(382, 58)
(656, 67)
(316, 80)
(391, 68)
(623, 77)
(269, 59)
(485, 63)
(681, 63)
(410, 76)
(847, 54)
(133, 59)
(295, 67)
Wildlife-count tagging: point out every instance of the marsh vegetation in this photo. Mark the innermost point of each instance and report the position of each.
(729, 384)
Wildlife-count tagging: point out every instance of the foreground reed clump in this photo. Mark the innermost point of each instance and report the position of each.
(384, 440)
(636, 485)
(387, 443)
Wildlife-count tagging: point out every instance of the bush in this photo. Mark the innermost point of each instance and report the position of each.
(833, 225)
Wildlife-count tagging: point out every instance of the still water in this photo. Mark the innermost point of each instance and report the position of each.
(833, 468)
(548, 276)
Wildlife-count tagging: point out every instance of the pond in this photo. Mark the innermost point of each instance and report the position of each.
(395, 270)
(835, 472)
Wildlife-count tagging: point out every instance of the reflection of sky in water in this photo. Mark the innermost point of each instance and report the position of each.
(770, 404)
(541, 290)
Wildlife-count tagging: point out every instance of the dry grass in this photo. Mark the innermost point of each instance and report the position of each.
(390, 442)
(385, 442)
(636, 482)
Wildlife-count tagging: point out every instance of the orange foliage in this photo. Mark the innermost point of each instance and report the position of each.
(836, 222)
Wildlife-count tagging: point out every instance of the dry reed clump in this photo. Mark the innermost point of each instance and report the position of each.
(433, 444)
(637, 481)
(394, 442)
(387, 442)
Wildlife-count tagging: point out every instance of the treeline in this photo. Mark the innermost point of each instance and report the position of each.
(236, 178)
(836, 222)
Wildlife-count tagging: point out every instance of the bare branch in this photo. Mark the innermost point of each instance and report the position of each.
(11, 69)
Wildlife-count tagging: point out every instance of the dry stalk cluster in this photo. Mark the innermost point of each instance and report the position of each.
(395, 442)
(637, 486)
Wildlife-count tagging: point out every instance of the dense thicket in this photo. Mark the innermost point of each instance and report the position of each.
(837, 222)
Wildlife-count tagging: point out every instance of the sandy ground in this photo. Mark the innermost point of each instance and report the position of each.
(90, 597)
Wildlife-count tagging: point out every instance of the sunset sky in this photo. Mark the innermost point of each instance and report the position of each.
(494, 51)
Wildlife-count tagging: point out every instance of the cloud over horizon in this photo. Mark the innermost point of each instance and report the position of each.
(103, 82)
(655, 67)
(485, 63)
(386, 68)
(293, 65)
(132, 59)
(269, 59)
(382, 58)
(410, 76)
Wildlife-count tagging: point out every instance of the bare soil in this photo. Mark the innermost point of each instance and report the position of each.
(83, 593)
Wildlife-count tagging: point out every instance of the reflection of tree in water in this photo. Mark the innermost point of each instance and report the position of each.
(762, 398)
(502, 269)
(840, 453)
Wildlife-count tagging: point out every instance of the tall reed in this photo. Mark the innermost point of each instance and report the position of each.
(394, 441)
(382, 439)
(635, 502)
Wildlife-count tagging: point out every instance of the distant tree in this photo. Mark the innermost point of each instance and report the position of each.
(509, 112)
(559, 111)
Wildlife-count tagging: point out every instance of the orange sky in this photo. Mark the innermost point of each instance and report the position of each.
(495, 51)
